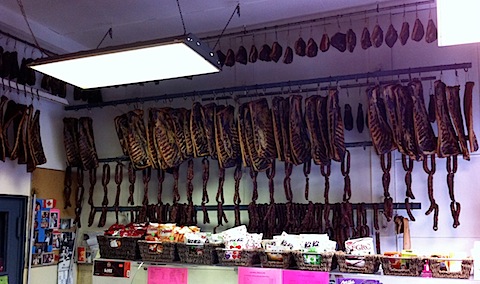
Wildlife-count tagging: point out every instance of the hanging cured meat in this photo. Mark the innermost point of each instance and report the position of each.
(86, 144)
(324, 42)
(335, 127)
(265, 52)
(92, 176)
(118, 182)
(339, 41)
(319, 150)
(241, 56)
(70, 140)
(288, 56)
(35, 141)
(250, 139)
(360, 118)
(430, 170)
(131, 128)
(197, 131)
(3, 149)
(230, 58)
(322, 116)
(221, 57)
(209, 115)
(299, 143)
(205, 198)
(380, 131)
(365, 41)
(264, 140)
(431, 109)
(300, 47)
(253, 55)
(424, 135)
(405, 116)
(227, 143)
(278, 113)
(351, 40)
(391, 36)
(404, 33)
(431, 34)
(468, 112)
(377, 36)
(164, 138)
(348, 117)
(418, 31)
(453, 105)
(179, 118)
(447, 144)
(276, 53)
(312, 48)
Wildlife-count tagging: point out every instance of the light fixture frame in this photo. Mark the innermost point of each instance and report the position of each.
(189, 40)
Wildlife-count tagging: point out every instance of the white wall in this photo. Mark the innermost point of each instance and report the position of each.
(365, 173)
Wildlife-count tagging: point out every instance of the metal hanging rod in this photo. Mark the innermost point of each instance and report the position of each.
(125, 158)
(322, 20)
(34, 92)
(284, 84)
(308, 90)
(397, 206)
(46, 51)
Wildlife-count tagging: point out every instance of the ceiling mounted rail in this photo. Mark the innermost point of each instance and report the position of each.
(21, 89)
(322, 20)
(277, 85)
(46, 51)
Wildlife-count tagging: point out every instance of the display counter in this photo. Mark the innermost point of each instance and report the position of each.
(199, 274)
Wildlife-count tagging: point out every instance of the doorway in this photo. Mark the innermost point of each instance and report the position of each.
(13, 211)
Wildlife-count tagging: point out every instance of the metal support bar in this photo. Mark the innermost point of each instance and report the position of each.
(284, 84)
(125, 158)
(34, 92)
(322, 20)
(46, 51)
(397, 206)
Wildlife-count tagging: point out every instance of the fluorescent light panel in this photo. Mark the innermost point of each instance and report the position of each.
(132, 65)
(458, 22)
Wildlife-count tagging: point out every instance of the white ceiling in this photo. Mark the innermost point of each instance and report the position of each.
(71, 25)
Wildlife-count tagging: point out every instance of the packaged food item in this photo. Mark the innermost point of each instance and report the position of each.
(253, 241)
(317, 243)
(195, 238)
(361, 246)
(165, 232)
(214, 238)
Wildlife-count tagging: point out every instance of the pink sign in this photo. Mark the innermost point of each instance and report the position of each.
(248, 275)
(302, 277)
(161, 275)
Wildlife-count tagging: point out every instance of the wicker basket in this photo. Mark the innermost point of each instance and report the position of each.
(409, 266)
(371, 265)
(437, 263)
(324, 261)
(229, 257)
(158, 251)
(118, 247)
(195, 254)
(276, 260)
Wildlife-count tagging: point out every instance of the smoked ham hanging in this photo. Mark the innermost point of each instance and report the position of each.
(380, 131)
(227, 143)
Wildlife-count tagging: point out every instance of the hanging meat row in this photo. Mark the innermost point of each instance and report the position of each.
(20, 134)
(79, 143)
(340, 41)
(256, 135)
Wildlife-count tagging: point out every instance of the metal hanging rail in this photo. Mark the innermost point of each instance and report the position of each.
(15, 38)
(34, 92)
(322, 20)
(284, 84)
(126, 158)
(397, 206)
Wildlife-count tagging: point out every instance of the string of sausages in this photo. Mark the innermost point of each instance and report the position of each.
(105, 181)
(376, 227)
(161, 179)
(220, 198)
(408, 168)
(146, 175)
(132, 175)
(288, 195)
(79, 197)
(92, 176)
(67, 189)
(433, 204)
(118, 182)
(176, 196)
(307, 166)
(205, 198)
(386, 164)
(455, 208)
(190, 208)
(346, 209)
(236, 197)
(271, 215)
(325, 171)
(253, 216)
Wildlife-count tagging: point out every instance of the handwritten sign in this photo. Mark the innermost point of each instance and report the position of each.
(248, 275)
(161, 275)
(302, 277)
(356, 281)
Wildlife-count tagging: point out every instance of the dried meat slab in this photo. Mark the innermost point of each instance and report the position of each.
(228, 145)
(447, 143)
(263, 136)
(380, 131)
(299, 143)
(319, 150)
(335, 127)
(424, 135)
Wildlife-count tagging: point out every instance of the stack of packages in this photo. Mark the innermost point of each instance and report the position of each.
(120, 241)
(359, 256)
